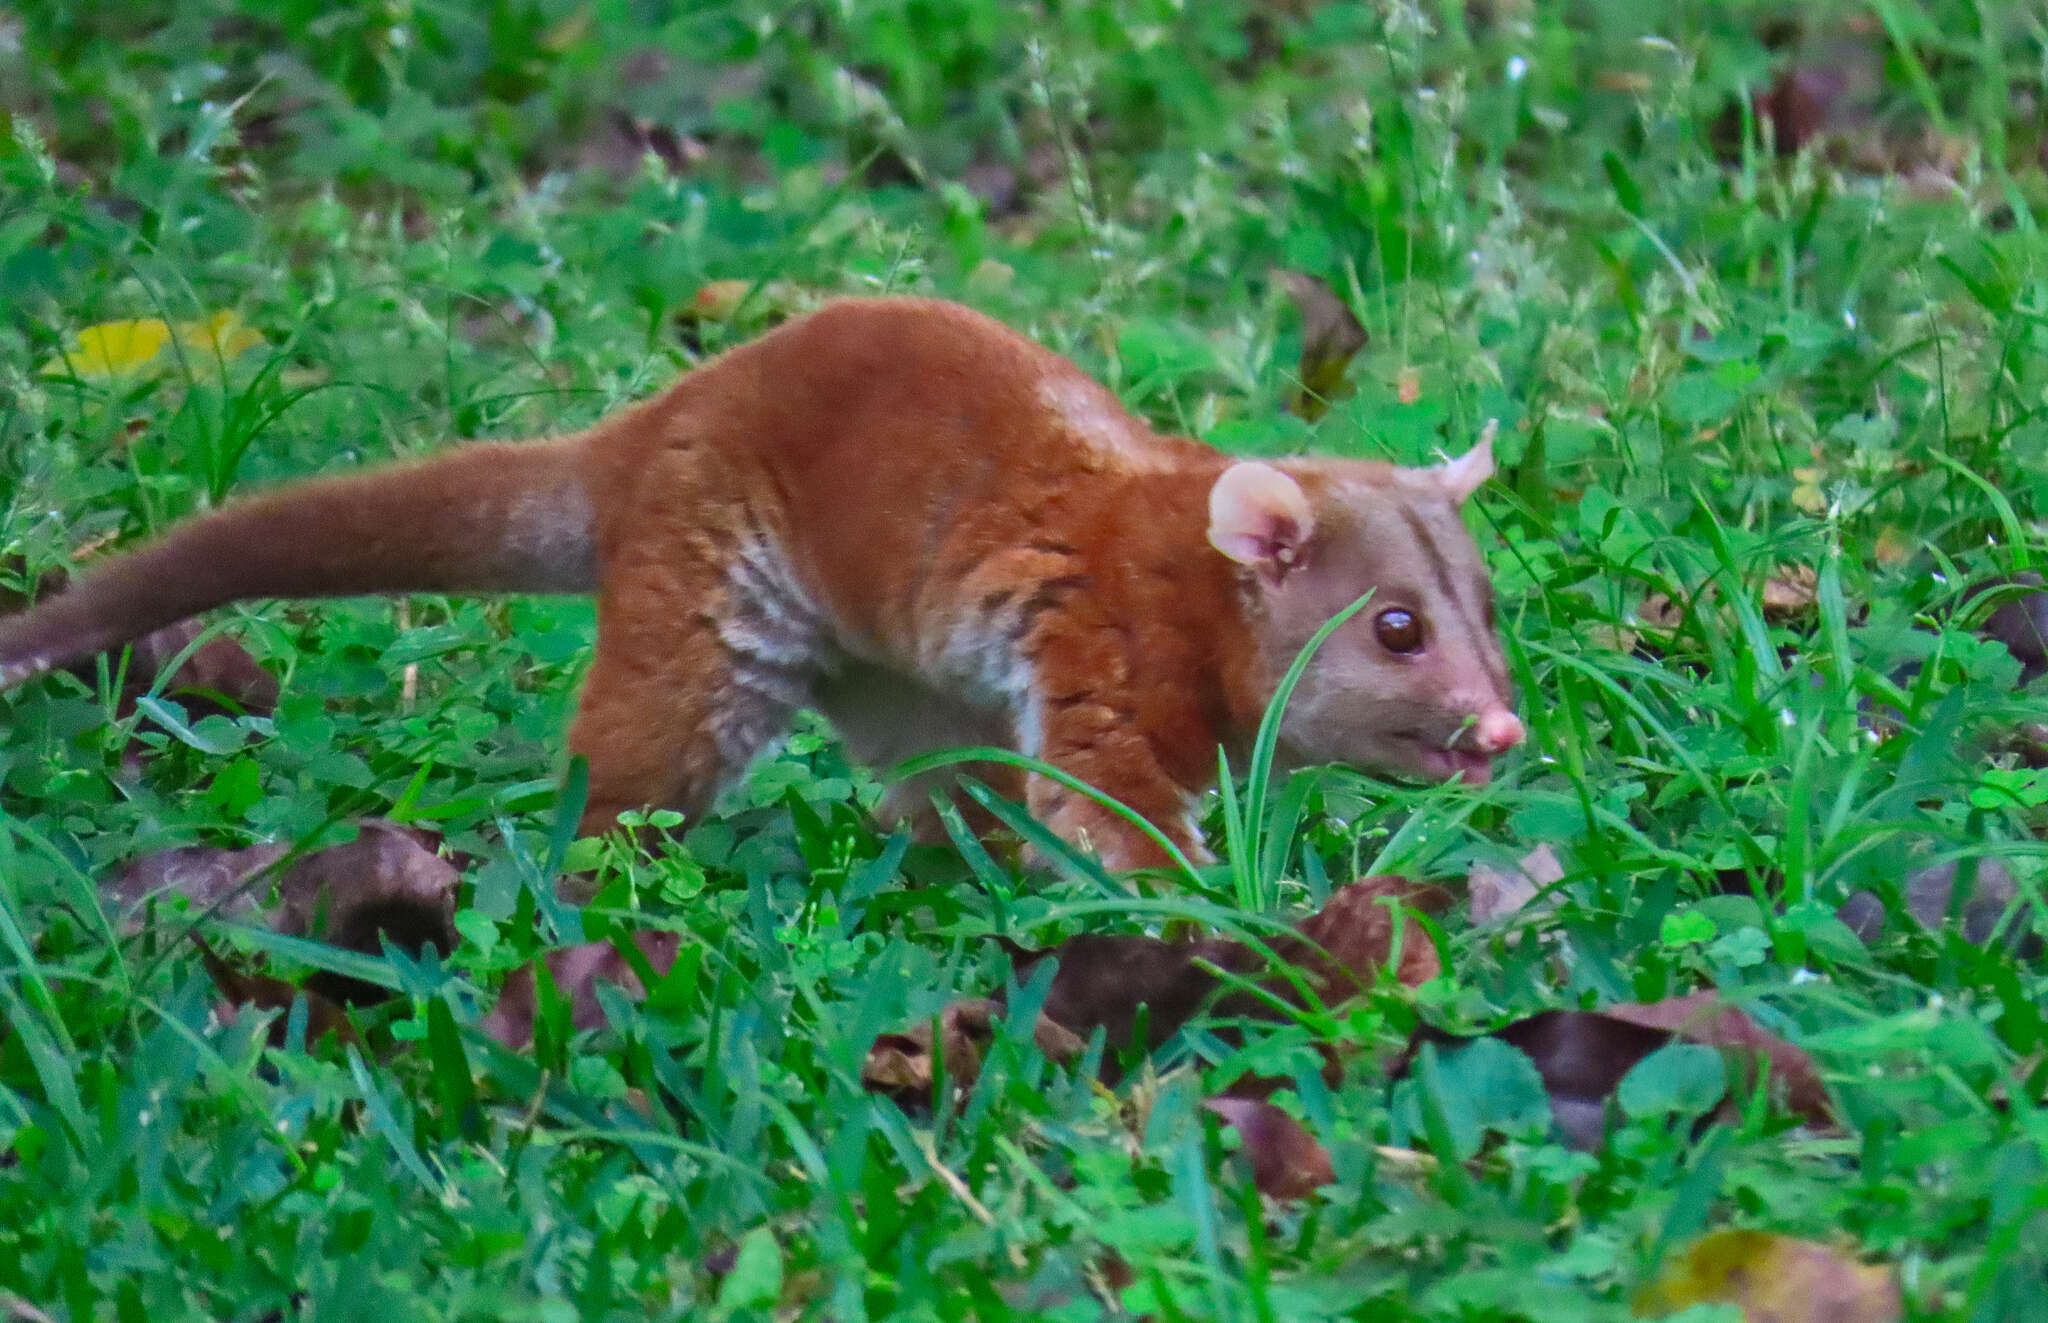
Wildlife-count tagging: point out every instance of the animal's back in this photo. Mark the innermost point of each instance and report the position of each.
(887, 446)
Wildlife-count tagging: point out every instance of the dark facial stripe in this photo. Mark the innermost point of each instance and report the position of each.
(1437, 563)
(1471, 615)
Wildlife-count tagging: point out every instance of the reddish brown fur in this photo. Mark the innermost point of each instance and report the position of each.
(909, 516)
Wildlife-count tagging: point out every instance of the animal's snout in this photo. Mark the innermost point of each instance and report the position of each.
(1495, 731)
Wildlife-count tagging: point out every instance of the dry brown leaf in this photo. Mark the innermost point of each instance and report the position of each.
(1893, 547)
(205, 875)
(1928, 895)
(1661, 611)
(901, 1065)
(1103, 980)
(1496, 892)
(723, 300)
(1330, 337)
(2020, 622)
(1356, 929)
(1286, 1161)
(1115, 983)
(1773, 1279)
(263, 992)
(1704, 1018)
(1583, 1055)
(576, 971)
(388, 883)
(1790, 592)
(1604, 636)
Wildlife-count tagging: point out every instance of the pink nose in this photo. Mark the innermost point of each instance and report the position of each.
(1496, 731)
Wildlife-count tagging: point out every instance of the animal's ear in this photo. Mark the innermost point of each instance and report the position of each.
(1259, 517)
(1461, 477)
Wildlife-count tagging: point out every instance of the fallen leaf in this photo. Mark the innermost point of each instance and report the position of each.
(1790, 592)
(1103, 980)
(1287, 1162)
(1115, 983)
(106, 350)
(1773, 1279)
(208, 876)
(1702, 1017)
(387, 883)
(263, 992)
(109, 350)
(1353, 936)
(1582, 1056)
(1928, 894)
(1894, 546)
(902, 1065)
(220, 676)
(738, 305)
(2019, 621)
(217, 337)
(1330, 337)
(576, 971)
(997, 184)
(1496, 893)
(723, 300)
(625, 139)
(1661, 611)
(1607, 636)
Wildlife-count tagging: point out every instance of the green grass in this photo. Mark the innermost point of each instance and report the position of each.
(1708, 359)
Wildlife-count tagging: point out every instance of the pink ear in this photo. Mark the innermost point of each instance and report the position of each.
(1461, 476)
(1259, 517)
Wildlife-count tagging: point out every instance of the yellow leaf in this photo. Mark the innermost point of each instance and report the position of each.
(1773, 1279)
(218, 337)
(110, 349)
(113, 349)
(1807, 495)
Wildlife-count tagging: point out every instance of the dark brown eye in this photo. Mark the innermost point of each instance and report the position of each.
(1398, 631)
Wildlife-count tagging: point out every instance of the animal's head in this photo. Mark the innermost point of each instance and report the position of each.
(1413, 683)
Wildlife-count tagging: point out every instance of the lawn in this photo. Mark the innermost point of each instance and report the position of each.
(1758, 294)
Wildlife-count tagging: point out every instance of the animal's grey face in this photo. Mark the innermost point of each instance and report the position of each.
(1415, 682)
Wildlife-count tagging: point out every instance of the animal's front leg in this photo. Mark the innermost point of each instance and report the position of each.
(1102, 746)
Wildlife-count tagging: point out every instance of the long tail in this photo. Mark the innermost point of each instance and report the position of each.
(482, 517)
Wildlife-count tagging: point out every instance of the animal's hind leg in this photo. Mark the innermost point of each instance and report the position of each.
(885, 717)
(692, 677)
